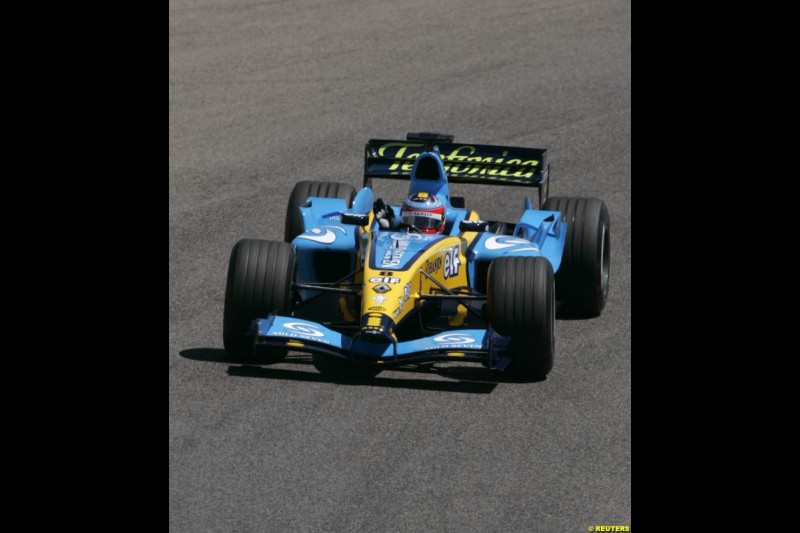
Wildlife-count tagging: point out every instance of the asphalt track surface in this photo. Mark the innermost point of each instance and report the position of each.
(264, 94)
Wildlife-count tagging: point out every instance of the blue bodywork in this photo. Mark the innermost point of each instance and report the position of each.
(537, 233)
(312, 333)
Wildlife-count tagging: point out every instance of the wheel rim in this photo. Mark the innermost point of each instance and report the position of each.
(605, 261)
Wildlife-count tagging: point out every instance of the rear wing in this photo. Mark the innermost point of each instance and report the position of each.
(464, 163)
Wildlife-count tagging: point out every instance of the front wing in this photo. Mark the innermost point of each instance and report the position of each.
(473, 345)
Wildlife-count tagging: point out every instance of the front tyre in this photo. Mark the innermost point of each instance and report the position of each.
(521, 305)
(259, 282)
(582, 280)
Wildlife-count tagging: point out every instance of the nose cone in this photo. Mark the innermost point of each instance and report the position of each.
(377, 327)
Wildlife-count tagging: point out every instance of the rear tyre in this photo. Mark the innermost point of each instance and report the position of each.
(259, 282)
(582, 280)
(301, 192)
(521, 305)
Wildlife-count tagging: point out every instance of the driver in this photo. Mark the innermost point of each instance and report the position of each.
(423, 211)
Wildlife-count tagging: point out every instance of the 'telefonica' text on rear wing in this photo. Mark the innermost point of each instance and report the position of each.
(464, 163)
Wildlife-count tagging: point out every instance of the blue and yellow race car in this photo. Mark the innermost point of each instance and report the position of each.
(363, 285)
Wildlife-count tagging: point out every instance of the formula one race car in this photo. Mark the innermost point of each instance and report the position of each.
(364, 286)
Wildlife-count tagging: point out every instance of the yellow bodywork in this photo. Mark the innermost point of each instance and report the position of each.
(406, 286)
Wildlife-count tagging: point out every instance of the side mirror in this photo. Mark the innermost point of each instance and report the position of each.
(355, 219)
(473, 225)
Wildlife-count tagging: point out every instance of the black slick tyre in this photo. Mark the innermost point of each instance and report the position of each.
(259, 282)
(521, 305)
(582, 280)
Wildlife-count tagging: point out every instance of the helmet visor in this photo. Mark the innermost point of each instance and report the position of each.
(423, 219)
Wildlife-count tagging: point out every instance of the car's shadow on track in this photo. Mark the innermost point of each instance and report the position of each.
(468, 379)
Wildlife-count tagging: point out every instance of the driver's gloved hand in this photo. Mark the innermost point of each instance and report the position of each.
(384, 214)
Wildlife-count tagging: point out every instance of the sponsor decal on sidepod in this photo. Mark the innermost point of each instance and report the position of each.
(502, 242)
(317, 234)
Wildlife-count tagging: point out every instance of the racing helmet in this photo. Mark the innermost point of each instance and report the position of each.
(425, 212)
